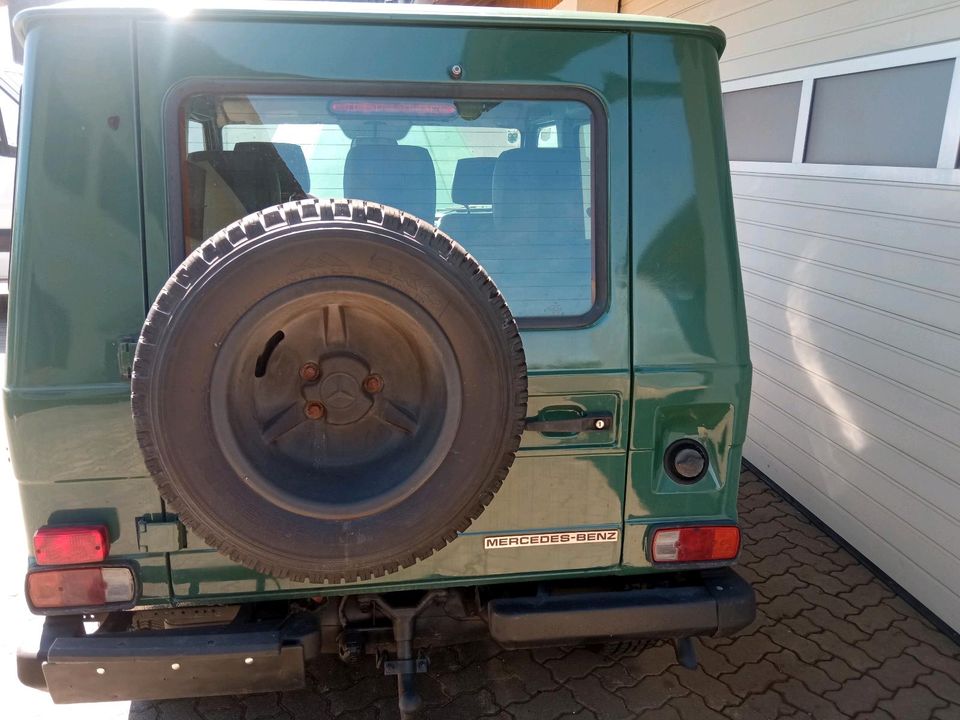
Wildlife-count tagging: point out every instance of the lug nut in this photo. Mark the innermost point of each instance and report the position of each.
(314, 410)
(310, 371)
(373, 384)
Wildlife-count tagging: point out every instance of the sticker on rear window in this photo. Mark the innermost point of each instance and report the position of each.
(496, 542)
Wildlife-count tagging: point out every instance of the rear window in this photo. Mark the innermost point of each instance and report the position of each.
(511, 180)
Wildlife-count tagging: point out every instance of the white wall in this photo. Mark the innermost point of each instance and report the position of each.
(852, 279)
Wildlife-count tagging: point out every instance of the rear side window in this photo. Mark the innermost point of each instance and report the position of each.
(512, 180)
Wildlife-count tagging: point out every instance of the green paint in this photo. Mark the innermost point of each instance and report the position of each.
(668, 357)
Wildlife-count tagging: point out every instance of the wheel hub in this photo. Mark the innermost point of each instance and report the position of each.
(337, 398)
(339, 388)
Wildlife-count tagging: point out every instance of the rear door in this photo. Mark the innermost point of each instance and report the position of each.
(549, 108)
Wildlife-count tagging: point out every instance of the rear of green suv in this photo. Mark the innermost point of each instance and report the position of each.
(362, 330)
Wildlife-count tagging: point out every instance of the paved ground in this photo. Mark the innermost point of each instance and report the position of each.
(830, 641)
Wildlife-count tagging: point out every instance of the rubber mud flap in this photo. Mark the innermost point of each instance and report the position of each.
(329, 390)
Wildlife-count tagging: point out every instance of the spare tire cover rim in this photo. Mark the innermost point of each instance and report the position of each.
(338, 389)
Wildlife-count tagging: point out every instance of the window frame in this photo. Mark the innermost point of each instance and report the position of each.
(946, 171)
(175, 137)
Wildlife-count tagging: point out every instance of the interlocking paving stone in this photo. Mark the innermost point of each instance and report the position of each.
(591, 693)
(876, 617)
(615, 677)
(813, 676)
(768, 705)
(858, 695)
(577, 664)
(852, 655)
(842, 627)
(830, 641)
(652, 692)
(935, 659)
(899, 672)
(838, 670)
(798, 695)
(654, 661)
(474, 704)
(785, 606)
(942, 686)
(711, 661)
(748, 649)
(261, 706)
(663, 713)
(913, 703)
(925, 634)
(827, 583)
(875, 714)
(693, 707)
(783, 636)
(177, 709)
(545, 706)
(753, 678)
(887, 643)
(713, 693)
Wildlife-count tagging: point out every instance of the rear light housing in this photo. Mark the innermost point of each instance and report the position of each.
(80, 589)
(695, 544)
(394, 108)
(71, 545)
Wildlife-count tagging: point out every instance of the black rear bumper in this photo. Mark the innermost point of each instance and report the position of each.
(716, 602)
(151, 665)
(257, 657)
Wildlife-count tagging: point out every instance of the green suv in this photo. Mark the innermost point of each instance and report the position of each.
(368, 329)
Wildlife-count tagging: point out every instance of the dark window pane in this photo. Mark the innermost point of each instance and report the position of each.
(762, 122)
(521, 209)
(890, 117)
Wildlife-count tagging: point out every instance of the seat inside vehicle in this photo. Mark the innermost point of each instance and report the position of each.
(539, 251)
(291, 163)
(224, 185)
(472, 188)
(402, 176)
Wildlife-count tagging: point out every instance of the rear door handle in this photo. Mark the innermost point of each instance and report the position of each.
(588, 422)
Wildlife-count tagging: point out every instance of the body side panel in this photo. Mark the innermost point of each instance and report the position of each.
(690, 352)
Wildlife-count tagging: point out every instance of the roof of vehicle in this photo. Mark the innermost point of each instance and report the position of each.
(344, 12)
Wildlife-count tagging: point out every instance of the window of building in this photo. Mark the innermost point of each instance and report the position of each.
(892, 117)
(521, 208)
(762, 122)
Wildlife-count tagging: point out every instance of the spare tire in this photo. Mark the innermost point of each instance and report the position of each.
(329, 391)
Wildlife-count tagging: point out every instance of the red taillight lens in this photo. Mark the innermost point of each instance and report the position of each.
(80, 587)
(71, 545)
(695, 544)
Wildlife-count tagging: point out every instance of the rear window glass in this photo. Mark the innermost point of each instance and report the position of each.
(510, 180)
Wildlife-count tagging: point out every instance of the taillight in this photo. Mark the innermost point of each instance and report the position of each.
(700, 543)
(80, 587)
(71, 545)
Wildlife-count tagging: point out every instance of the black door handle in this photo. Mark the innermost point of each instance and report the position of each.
(588, 422)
